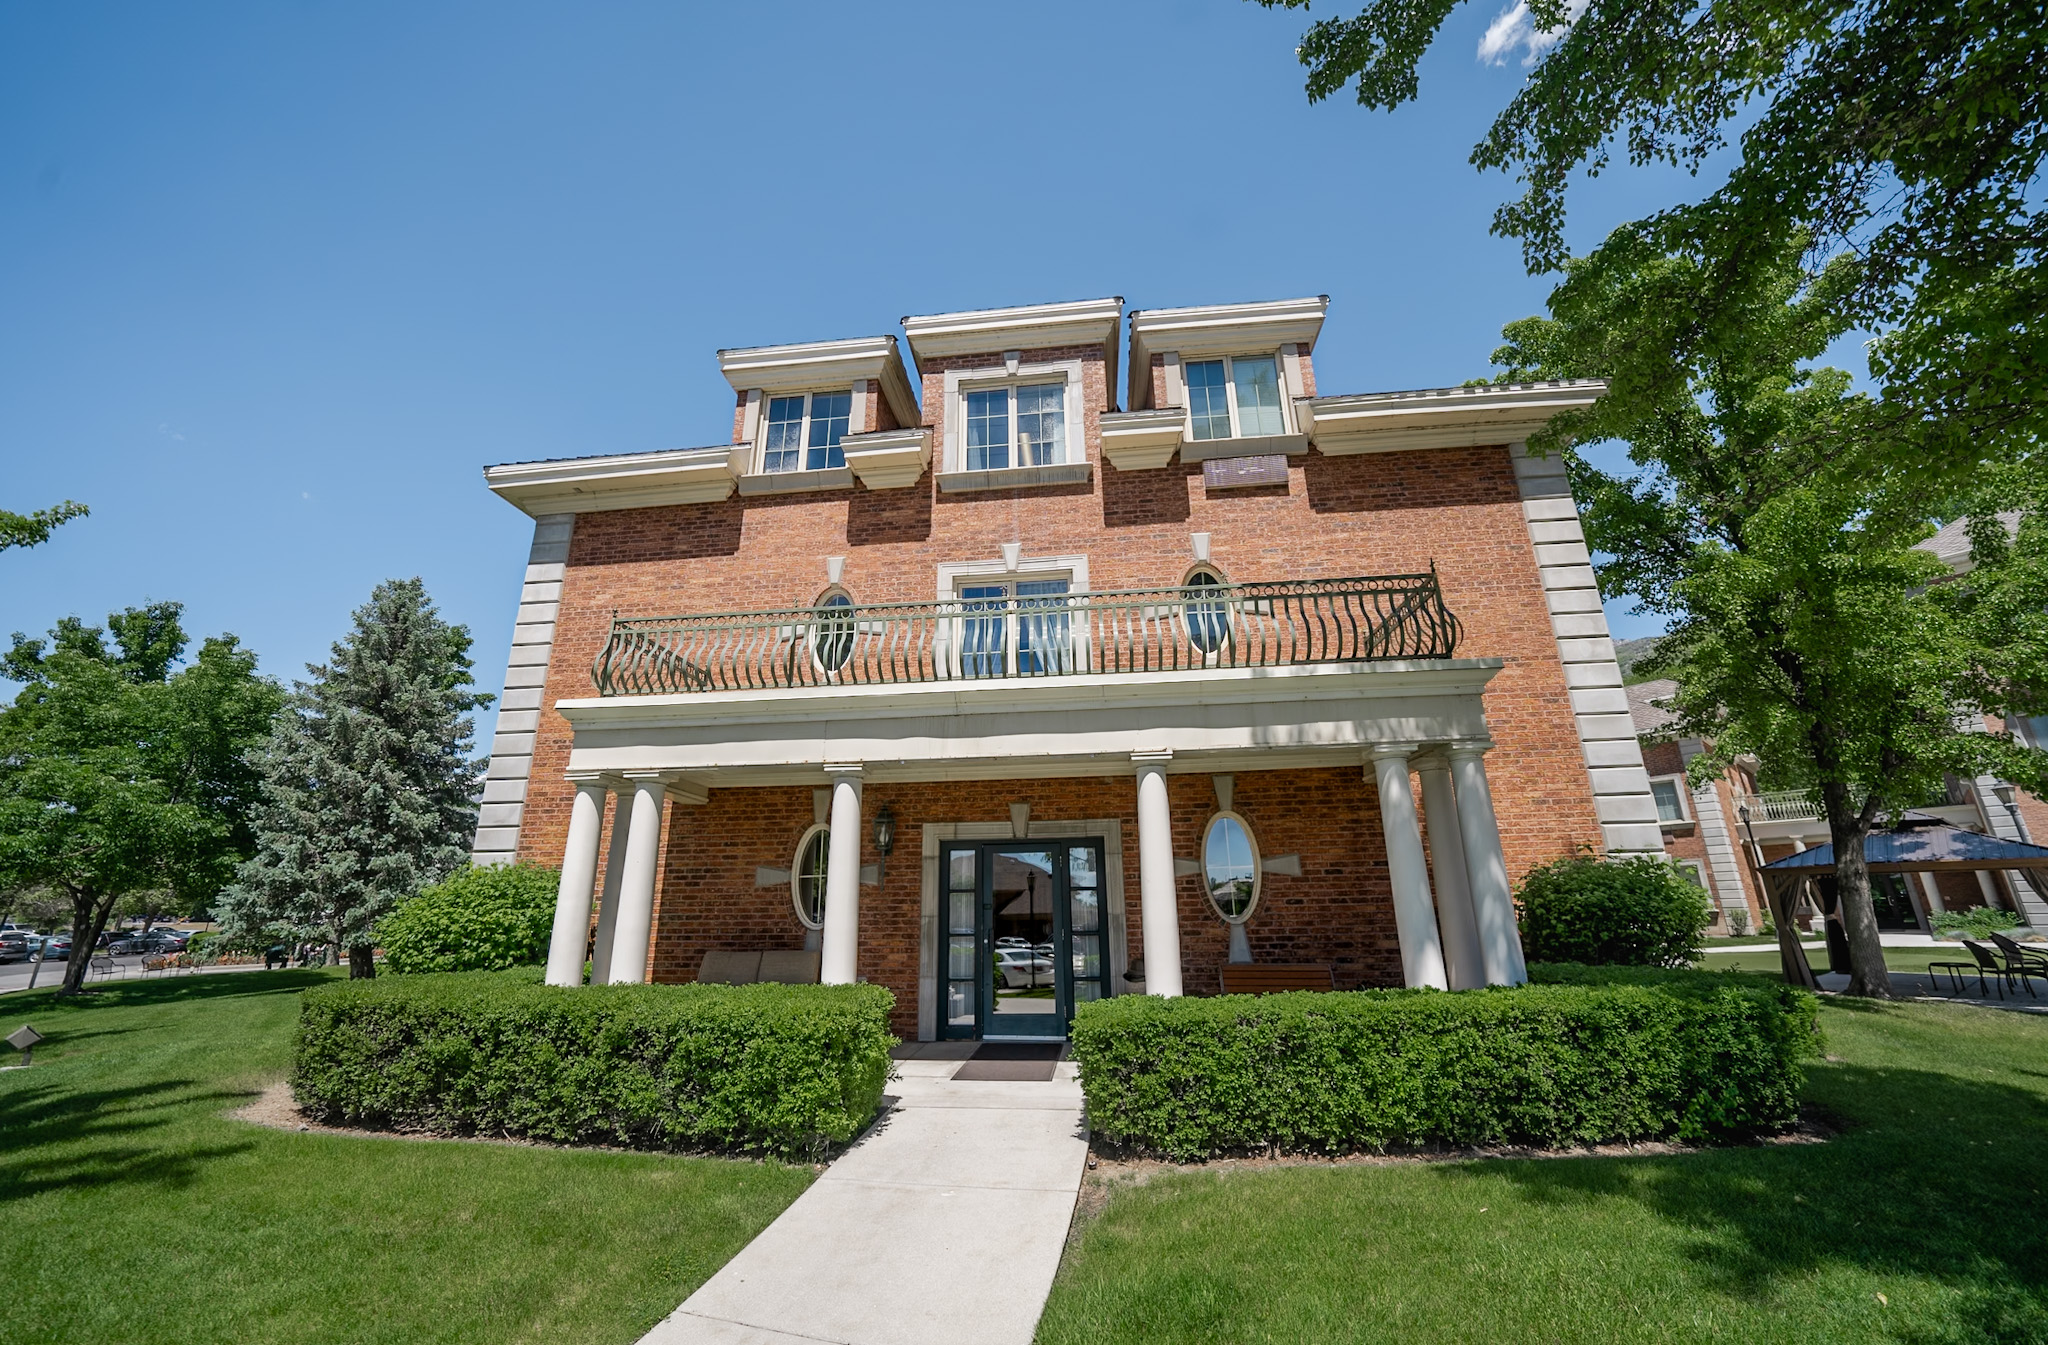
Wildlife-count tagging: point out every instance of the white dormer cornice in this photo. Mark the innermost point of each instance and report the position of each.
(1220, 329)
(1385, 422)
(618, 481)
(986, 331)
(817, 366)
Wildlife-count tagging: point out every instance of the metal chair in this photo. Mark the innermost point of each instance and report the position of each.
(1955, 971)
(1987, 960)
(2024, 963)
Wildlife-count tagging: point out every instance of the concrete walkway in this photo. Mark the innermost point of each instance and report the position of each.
(944, 1223)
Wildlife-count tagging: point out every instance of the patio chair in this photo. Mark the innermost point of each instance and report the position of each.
(1988, 960)
(2024, 963)
(1955, 972)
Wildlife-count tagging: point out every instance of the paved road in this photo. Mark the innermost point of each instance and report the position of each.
(15, 975)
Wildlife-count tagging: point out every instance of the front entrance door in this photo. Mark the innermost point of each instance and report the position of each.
(1023, 936)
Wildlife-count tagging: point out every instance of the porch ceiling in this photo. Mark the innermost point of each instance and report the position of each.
(1209, 719)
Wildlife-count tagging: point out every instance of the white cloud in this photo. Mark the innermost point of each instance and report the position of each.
(1515, 28)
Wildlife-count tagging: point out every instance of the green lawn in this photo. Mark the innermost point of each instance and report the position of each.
(1924, 1221)
(133, 1210)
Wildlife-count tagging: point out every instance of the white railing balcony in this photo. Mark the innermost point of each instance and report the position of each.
(1781, 805)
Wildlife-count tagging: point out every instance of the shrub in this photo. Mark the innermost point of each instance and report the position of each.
(1639, 912)
(479, 918)
(1975, 922)
(774, 1069)
(1595, 1055)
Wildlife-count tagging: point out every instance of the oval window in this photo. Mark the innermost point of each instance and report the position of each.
(1230, 867)
(1207, 617)
(807, 877)
(832, 631)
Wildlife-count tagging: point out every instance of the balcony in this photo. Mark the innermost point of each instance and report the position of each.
(1780, 805)
(1202, 626)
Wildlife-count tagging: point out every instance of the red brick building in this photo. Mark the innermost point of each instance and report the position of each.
(953, 675)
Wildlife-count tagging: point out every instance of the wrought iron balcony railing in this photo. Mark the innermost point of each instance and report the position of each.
(1031, 634)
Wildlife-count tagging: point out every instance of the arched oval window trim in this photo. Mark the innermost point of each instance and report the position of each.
(1207, 620)
(823, 833)
(831, 639)
(1258, 874)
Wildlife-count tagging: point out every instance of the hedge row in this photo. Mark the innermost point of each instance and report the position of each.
(772, 1069)
(1595, 1055)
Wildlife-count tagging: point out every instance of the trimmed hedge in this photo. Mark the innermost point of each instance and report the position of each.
(1596, 1055)
(770, 1069)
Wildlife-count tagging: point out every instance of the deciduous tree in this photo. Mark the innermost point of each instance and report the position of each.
(122, 772)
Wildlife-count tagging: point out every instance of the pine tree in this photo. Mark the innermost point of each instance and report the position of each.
(368, 786)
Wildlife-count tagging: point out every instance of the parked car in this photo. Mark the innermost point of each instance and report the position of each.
(1012, 941)
(56, 948)
(156, 941)
(14, 945)
(1023, 969)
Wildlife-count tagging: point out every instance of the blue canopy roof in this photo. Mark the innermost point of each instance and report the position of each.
(1922, 843)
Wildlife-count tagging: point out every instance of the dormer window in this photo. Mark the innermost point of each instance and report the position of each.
(1023, 425)
(1237, 397)
(803, 433)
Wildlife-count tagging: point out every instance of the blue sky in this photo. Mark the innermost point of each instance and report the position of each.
(280, 278)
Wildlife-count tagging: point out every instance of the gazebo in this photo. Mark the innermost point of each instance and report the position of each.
(1918, 844)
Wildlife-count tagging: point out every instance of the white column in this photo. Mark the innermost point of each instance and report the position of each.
(1464, 966)
(1157, 899)
(1422, 950)
(614, 878)
(1933, 894)
(1493, 899)
(635, 928)
(579, 873)
(839, 963)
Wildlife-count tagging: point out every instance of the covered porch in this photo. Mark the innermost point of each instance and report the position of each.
(1097, 771)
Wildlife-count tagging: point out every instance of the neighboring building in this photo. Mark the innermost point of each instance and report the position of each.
(955, 674)
(1723, 831)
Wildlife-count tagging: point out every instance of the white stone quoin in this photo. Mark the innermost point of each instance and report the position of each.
(526, 672)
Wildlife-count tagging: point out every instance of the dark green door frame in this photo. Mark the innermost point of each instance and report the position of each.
(967, 955)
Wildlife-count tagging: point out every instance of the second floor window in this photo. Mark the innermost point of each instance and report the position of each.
(1670, 804)
(1016, 427)
(1235, 398)
(804, 432)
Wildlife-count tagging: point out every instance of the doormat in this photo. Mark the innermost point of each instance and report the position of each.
(1011, 1062)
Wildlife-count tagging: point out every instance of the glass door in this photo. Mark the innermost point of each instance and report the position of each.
(1016, 630)
(1023, 936)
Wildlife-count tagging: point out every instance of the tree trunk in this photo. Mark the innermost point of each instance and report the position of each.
(89, 914)
(361, 966)
(1867, 973)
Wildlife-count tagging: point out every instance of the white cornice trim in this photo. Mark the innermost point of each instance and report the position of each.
(623, 481)
(813, 366)
(1287, 683)
(984, 331)
(1138, 441)
(1383, 422)
(1220, 329)
(889, 459)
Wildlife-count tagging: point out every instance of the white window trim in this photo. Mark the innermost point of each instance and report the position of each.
(855, 421)
(1230, 392)
(960, 382)
(1698, 867)
(796, 873)
(1258, 871)
(1684, 799)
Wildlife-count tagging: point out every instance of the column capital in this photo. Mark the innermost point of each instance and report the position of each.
(1154, 758)
(587, 779)
(645, 777)
(1468, 749)
(1381, 751)
(852, 768)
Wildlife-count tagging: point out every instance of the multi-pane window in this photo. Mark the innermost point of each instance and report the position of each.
(1021, 629)
(1670, 803)
(1016, 427)
(1235, 398)
(804, 432)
